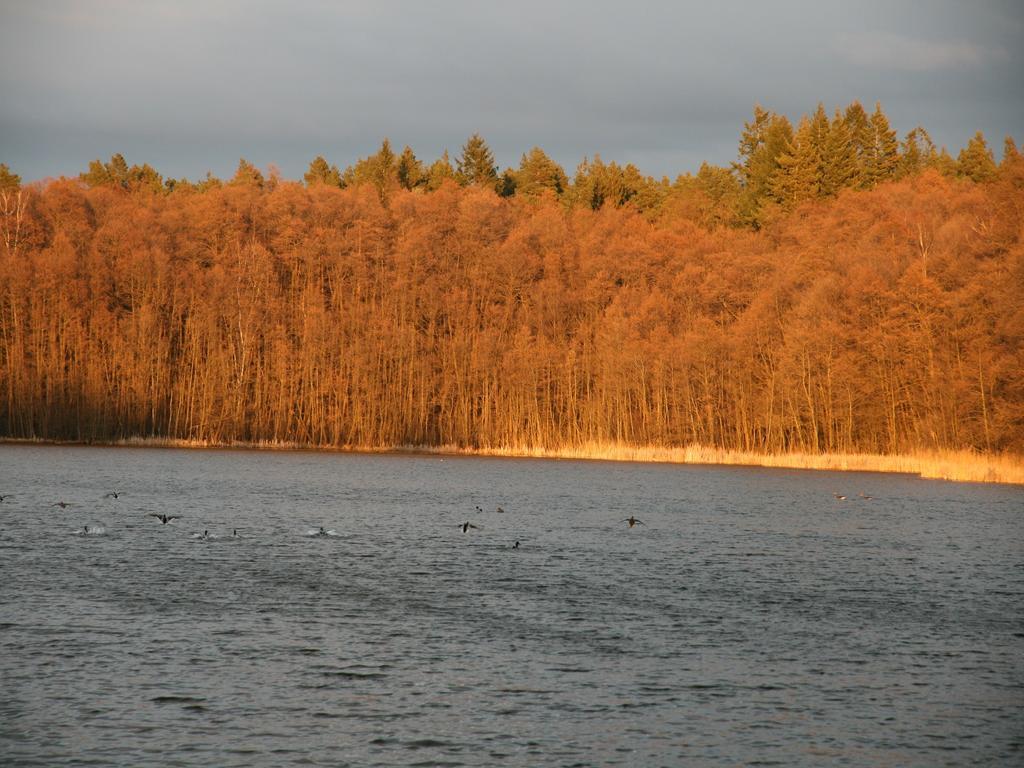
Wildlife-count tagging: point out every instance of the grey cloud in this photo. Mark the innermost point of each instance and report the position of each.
(189, 86)
(891, 51)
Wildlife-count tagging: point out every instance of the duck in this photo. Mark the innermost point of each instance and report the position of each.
(633, 521)
(165, 519)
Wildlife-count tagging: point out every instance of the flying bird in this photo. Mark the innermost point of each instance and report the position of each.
(633, 521)
(113, 495)
(5, 496)
(165, 519)
(467, 525)
(61, 504)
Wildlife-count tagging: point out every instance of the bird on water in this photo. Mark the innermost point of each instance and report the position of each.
(516, 545)
(839, 496)
(61, 504)
(165, 519)
(633, 521)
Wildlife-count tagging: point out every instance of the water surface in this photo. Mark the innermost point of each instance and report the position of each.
(754, 619)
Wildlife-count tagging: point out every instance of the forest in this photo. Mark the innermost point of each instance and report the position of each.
(836, 289)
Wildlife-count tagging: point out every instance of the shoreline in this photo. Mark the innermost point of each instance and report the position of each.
(955, 466)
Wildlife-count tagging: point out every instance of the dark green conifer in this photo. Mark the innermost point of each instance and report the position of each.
(476, 164)
(862, 136)
(975, 161)
(799, 175)
(538, 172)
(885, 156)
(762, 144)
(321, 173)
(440, 171)
(839, 159)
(409, 170)
(9, 182)
(247, 174)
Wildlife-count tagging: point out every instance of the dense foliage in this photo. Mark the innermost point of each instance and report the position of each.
(790, 303)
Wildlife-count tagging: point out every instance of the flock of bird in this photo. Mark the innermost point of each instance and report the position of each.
(631, 521)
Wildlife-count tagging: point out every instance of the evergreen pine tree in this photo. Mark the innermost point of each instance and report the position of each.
(118, 169)
(321, 173)
(507, 183)
(410, 170)
(839, 159)
(145, 177)
(476, 165)
(944, 163)
(799, 175)
(862, 137)
(885, 157)
(379, 169)
(1010, 152)
(762, 144)
(112, 174)
(384, 166)
(975, 161)
(9, 182)
(97, 176)
(918, 152)
(538, 172)
(721, 189)
(247, 174)
(585, 190)
(439, 171)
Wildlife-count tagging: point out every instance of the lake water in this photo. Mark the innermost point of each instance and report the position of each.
(753, 619)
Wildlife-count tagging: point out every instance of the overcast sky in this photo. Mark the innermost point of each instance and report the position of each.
(190, 86)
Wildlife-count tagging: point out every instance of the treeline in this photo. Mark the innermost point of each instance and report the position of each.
(777, 169)
(879, 314)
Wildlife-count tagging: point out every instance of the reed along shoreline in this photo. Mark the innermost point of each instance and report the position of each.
(953, 465)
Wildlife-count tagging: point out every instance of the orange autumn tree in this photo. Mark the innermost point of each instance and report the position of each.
(879, 318)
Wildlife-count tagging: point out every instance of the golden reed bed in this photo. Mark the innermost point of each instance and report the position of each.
(960, 466)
